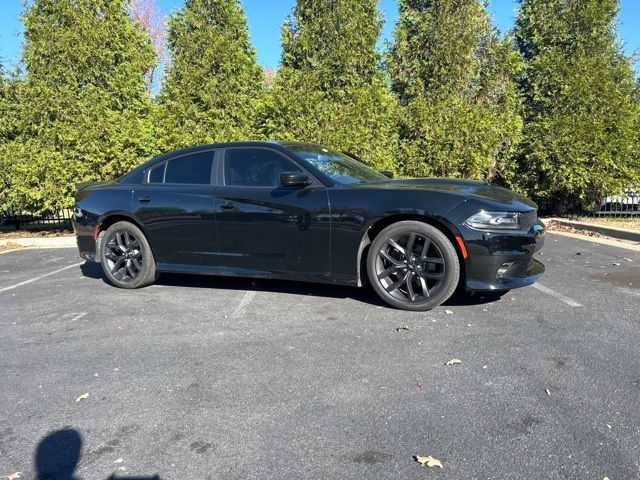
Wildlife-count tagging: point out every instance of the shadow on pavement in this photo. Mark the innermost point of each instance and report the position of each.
(365, 295)
(58, 455)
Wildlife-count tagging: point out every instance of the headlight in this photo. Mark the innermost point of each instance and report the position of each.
(494, 221)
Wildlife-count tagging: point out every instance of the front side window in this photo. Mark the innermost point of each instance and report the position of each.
(255, 167)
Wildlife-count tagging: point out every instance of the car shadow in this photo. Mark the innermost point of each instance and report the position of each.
(365, 294)
(59, 453)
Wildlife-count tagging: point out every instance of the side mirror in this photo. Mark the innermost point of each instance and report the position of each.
(294, 179)
(387, 173)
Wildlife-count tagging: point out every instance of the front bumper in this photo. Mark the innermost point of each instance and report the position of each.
(503, 260)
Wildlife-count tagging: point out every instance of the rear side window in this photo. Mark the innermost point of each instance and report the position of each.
(156, 174)
(194, 169)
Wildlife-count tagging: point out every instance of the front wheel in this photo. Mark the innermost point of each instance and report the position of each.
(126, 257)
(413, 266)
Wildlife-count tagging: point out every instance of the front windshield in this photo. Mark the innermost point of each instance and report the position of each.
(339, 167)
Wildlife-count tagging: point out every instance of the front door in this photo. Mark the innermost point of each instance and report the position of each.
(264, 227)
(176, 205)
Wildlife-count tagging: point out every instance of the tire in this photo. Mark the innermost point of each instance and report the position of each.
(400, 280)
(126, 257)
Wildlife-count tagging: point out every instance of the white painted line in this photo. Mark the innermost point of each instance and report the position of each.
(246, 300)
(559, 296)
(40, 277)
(78, 317)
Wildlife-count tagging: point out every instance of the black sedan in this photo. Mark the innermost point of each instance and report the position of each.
(305, 212)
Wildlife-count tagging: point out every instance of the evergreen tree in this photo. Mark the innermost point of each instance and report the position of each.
(8, 87)
(455, 81)
(580, 138)
(330, 88)
(214, 86)
(82, 107)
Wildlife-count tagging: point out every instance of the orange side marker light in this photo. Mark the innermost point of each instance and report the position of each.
(463, 247)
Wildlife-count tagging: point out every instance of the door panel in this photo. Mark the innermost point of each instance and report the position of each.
(274, 229)
(179, 218)
(180, 223)
(263, 227)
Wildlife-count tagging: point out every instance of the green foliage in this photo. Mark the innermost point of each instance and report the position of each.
(330, 88)
(581, 134)
(214, 86)
(8, 86)
(82, 109)
(455, 81)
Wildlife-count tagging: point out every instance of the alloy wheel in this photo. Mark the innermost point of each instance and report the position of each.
(124, 256)
(411, 267)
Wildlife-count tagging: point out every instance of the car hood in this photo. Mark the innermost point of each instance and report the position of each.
(495, 197)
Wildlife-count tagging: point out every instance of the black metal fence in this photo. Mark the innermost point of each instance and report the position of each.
(15, 219)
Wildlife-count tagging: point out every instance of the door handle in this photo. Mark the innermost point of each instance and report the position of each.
(144, 199)
(227, 205)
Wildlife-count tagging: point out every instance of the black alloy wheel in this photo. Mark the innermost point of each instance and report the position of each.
(126, 257)
(413, 266)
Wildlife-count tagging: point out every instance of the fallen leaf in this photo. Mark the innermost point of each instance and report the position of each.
(402, 327)
(428, 461)
(448, 312)
(615, 264)
(454, 361)
(82, 397)
(14, 476)
(420, 385)
(578, 253)
(485, 366)
(546, 390)
(628, 259)
(607, 274)
(120, 460)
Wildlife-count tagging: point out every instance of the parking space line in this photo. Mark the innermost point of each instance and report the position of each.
(246, 300)
(559, 296)
(39, 277)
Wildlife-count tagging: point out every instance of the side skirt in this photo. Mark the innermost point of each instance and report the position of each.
(249, 273)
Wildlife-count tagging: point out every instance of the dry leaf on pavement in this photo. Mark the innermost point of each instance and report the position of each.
(82, 397)
(453, 361)
(402, 327)
(428, 461)
(448, 312)
(13, 476)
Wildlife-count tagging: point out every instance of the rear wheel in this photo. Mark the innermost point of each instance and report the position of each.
(126, 257)
(413, 266)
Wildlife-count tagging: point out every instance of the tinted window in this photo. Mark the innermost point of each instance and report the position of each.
(193, 169)
(255, 167)
(156, 174)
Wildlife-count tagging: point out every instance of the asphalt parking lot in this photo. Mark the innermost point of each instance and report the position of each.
(217, 378)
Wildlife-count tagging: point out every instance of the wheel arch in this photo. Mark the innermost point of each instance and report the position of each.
(112, 218)
(376, 227)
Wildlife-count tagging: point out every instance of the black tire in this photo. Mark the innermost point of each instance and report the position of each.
(126, 257)
(401, 280)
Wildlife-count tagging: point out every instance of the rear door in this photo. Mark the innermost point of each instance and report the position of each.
(176, 204)
(264, 227)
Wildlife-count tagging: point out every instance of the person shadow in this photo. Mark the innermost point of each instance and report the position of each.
(58, 455)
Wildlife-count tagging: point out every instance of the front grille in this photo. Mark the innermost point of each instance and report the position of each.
(528, 218)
